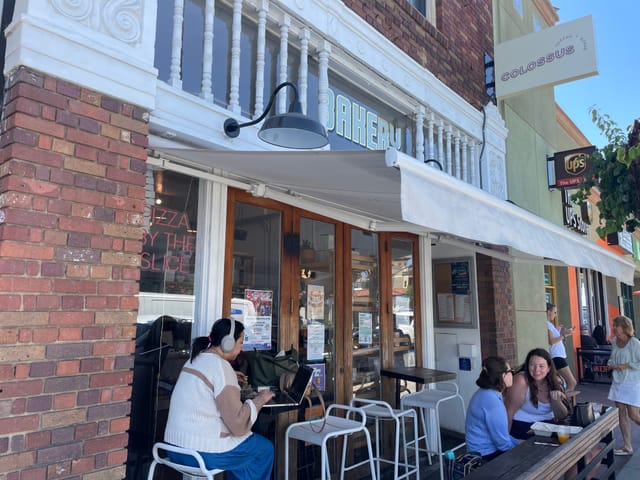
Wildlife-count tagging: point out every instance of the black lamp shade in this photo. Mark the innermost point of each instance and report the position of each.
(289, 130)
(293, 130)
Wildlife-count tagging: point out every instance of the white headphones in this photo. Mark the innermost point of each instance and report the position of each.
(228, 342)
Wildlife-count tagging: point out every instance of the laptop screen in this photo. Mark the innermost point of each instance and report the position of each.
(300, 382)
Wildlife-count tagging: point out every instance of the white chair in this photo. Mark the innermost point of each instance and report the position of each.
(199, 472)
(427, 401)
(381, 411)
(319, 432)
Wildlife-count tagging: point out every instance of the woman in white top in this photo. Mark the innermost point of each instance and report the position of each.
(556, 347)
(536, 394)
(207, 415)
(624, 363)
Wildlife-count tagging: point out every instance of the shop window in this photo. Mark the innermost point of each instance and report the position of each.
(550, 284)
(165, 310)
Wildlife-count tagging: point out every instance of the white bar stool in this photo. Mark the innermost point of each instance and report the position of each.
(319, 432)
(430, 400)
(199, 472)
(380, 411)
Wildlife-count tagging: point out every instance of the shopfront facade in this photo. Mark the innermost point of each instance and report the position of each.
(361, 256)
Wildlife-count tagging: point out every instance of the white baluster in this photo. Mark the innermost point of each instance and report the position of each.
(207, 51)
(420, 133)
(263, 10)
(284, 57)
(441, 158)
(303, 71)
(449, 160)
(456, 154)
(474, 164)
(176, 44)
(465, 165)
(323, 83)
(234, 80)
(431, 147)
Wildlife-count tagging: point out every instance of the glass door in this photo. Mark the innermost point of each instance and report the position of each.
(365, 311)
(317, 302)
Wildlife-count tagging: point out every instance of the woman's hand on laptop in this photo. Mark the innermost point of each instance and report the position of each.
(263, 397)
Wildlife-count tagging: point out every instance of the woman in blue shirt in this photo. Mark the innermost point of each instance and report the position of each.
(487, 427)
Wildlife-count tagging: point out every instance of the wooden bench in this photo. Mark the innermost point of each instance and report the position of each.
(531, 461)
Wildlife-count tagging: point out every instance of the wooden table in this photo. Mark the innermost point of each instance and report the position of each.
(530, 461)
(417, 375)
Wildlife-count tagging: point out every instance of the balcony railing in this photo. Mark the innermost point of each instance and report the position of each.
(232, 54)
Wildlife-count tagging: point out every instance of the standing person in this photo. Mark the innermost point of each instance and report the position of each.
(536, 394)
(207, 415)
(487, 426)
(624, 362)
(600, 337)
(556, 347)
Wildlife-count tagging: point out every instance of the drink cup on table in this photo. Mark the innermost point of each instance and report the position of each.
(563, 434)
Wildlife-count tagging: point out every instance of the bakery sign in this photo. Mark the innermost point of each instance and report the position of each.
(572, 166)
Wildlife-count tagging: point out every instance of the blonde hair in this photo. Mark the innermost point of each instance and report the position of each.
(625, 323)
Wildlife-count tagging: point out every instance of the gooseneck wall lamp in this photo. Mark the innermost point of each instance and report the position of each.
(289, 130)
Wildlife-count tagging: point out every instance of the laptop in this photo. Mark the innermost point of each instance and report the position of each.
(295, 394)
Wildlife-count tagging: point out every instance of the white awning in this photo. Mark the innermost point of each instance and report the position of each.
(392, 191)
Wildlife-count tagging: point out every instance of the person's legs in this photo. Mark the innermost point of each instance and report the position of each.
(634, 414)
(567, 374)
(625, 426)
(251, 460)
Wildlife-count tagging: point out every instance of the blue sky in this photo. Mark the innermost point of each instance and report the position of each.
(614, 90)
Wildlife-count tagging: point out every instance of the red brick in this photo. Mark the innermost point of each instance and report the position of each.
(38, 125)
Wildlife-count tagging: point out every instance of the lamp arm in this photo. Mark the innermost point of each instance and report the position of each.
(270, 104)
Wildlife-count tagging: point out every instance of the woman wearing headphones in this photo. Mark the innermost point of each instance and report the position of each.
(207, 415)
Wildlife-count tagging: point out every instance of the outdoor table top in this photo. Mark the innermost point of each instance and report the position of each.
(418, 374)
(531, 460)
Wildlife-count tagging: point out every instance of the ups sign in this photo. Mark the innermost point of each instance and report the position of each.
(572, 166)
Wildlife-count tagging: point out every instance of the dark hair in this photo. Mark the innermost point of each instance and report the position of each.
(491, 375)
(550, 306)
(599, 336)
(219, 330)
(553, 380)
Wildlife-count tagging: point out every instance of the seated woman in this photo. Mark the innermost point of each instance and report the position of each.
(486, 429)
(536, 394)
(207, 415)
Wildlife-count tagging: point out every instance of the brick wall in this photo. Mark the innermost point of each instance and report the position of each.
(495, 304)
(453, 51)
(71, 199)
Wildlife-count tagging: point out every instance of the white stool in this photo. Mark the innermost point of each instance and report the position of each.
(199, 472)
(430, 400)
(319, 432)
(380, 410)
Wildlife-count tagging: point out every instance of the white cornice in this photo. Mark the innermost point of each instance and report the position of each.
(85, 43)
